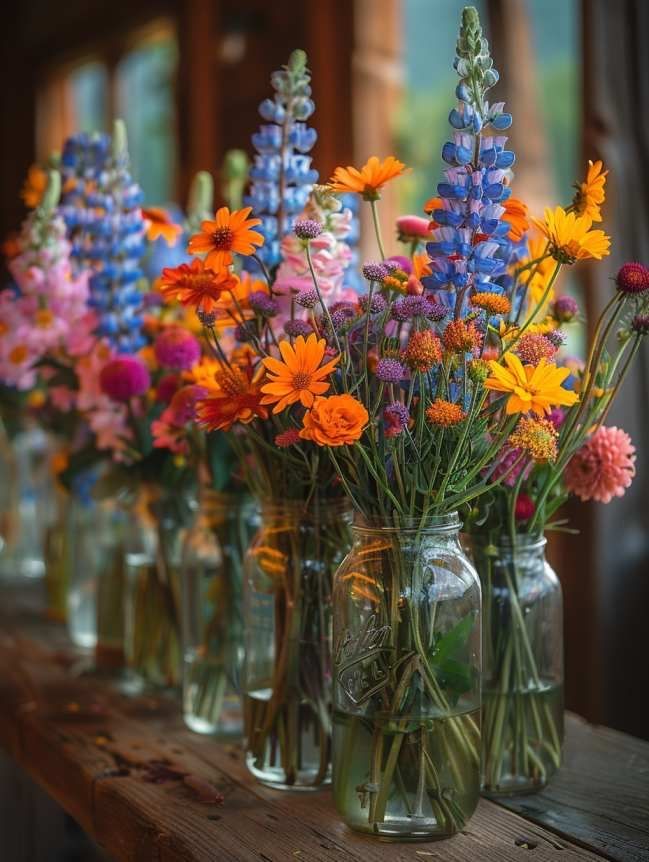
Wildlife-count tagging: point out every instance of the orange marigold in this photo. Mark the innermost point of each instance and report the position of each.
(369, 179)
(298, 376)
(444, 413)
(461, 337)
(536, 437)
(335, 421)
(196, 285)
(494, 303)
(423, 351)
(227, 234)
(34, 187)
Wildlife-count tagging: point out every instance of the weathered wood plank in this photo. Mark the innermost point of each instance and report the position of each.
(118, 765)
(600, 797)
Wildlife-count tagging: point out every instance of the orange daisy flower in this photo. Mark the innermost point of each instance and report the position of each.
(530, 388)
(229, 233)
(369, 179)
(234, 396)
(196, 285)
(590, 194)
(516, 216)
(158, 224)
(571, 238)
(300, 376)
(421, 264)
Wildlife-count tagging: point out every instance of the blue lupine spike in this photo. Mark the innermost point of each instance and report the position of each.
(282, 145)
(101, 207)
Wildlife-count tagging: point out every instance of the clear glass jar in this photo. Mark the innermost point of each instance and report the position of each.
(522, 713)
(407, 645)
(152, 643)
(29, 506)
(57, 556)
(287, 622)
(212, 622)
(95, 536)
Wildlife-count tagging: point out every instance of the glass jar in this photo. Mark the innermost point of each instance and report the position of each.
(57, 556)
(95, 535)
(287, 622)
(406, 681)
(28, 508)
(212, 623)
(522, 713)
(154, 543)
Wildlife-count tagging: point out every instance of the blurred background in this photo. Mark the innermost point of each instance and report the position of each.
(188, 75)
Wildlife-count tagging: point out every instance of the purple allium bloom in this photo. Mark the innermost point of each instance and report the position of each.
(307, 298)
(402, 263)
(297, 327)
(242, 332)
(565, 308)
(640, 324)
(375, 271)
(307, 228)
(418, 306)
(376, 306)
(341, 316)
(436, 311)
(632, 278)
(556, 337)
(207, 318)
(390, 370)
(262, 303)
(396, 418)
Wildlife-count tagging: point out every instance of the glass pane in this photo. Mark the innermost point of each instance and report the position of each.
(89, 86)
(430, 34)
(146, 101)
(554, 26)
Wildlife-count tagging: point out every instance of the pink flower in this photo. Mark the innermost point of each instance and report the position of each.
(177, 348)
(411, 227)
(604, 466)
(505, 466)
(123, 378)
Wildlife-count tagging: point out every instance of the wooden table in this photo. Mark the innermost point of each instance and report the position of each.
(145, 788)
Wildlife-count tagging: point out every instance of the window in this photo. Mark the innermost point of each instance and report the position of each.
(88, 94)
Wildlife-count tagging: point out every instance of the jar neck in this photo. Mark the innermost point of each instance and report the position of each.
(507, 548)
(316, 510)
(219, 506)
(447, 525)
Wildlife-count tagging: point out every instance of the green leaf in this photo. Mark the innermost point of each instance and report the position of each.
(449, 643)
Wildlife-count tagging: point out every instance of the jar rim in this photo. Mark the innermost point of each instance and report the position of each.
(522, 541)
(449, 522)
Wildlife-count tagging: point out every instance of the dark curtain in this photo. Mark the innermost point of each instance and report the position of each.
(616, 129)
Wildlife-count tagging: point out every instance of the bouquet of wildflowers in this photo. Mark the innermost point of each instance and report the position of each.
(396, 385)
(265, 321)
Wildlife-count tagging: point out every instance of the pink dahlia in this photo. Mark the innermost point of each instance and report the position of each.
(175, 347)
(604, 466)
(123, 378)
